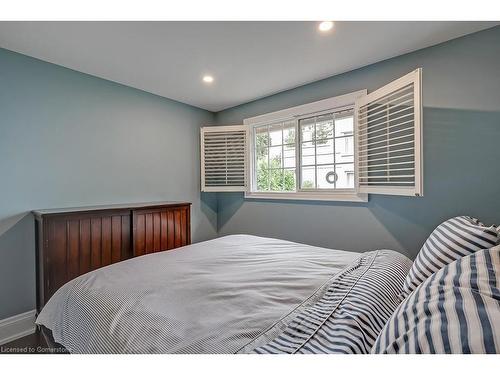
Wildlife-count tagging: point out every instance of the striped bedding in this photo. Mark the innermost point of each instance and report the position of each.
(247, 294)
(210, 297)
(456, 310)
(347, 315)
(455, 238)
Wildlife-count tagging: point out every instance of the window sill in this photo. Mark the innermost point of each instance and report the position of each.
(313, 196)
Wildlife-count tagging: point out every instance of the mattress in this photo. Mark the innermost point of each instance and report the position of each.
(226, 295)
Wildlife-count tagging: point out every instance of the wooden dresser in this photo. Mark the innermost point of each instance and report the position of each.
(73, 241)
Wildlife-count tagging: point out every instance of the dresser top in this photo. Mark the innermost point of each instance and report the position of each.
(53, 211)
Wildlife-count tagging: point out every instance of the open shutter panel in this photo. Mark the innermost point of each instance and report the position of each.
(389, 138)
(223, 158)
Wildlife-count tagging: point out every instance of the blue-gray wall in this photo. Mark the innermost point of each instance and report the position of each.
(461, 83)
(70, 139)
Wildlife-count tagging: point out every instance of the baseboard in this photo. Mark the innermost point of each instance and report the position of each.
(17, 326)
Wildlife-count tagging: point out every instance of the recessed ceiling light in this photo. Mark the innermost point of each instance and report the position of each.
(208, 79)
(325, 26)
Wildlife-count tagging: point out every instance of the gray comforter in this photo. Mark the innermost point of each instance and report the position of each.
(211, 297)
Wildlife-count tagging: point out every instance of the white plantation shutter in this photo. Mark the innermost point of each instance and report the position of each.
(224, 158)
(389, 138)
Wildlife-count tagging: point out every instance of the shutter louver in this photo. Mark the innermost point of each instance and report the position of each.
(389, 136)
(223, 158)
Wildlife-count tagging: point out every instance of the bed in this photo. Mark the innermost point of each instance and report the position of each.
(248, 294)
(226, 295)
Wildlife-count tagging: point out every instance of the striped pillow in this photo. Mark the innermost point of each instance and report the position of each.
(451, 240)
(456, 310)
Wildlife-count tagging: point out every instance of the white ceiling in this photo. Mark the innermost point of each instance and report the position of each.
(249, 60)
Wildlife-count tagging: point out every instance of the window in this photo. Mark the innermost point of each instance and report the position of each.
(305, 152)
(341, 148)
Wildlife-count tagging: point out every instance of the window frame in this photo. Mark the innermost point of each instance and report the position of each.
(334, 104)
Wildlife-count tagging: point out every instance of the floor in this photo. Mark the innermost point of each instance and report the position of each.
(31, 344)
